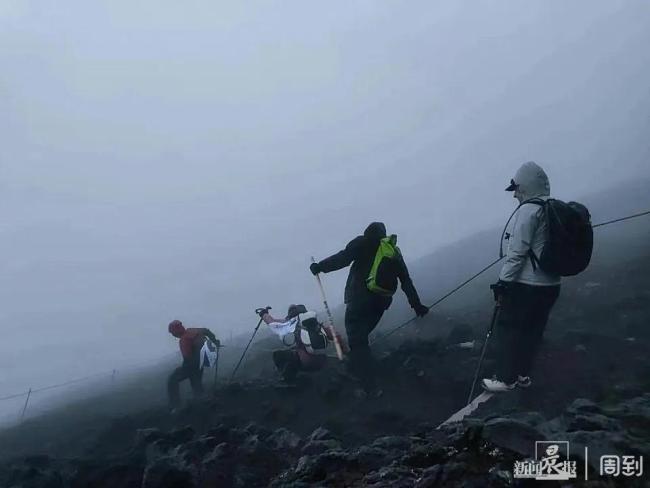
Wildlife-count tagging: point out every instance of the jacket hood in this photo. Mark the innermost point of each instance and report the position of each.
(375, 231)
(532, 181)
(176, 328)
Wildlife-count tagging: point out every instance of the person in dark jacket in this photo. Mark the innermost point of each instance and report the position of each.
(191, 341)
(364, 308)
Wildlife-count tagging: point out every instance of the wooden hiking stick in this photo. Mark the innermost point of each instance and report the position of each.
(330, 325)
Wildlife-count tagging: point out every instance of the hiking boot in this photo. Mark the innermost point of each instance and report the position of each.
(524, 381)
(494, 385)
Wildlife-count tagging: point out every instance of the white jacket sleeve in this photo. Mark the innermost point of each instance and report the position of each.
(520, 242)
(283, 328)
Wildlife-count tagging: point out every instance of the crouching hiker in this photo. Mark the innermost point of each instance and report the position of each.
(308, 349)
(549, 239)
(191, 343)
(377, 266)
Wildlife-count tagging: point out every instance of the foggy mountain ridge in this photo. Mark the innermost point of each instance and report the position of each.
(137, 141)
(433, 275)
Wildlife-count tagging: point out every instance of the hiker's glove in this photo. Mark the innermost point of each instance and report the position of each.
(421, 310)
(314, 268)
(499, 289)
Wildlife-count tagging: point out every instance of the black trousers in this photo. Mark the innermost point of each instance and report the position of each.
(186, 372)
(520, 328)
(361, 318)
(287, 362)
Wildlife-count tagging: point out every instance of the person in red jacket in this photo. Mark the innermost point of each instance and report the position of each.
(191, 341)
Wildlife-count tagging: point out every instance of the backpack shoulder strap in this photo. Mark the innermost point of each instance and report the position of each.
(504, 234)
(534, 260)
(536, 201)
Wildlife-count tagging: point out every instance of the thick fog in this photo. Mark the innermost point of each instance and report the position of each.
(165, 160)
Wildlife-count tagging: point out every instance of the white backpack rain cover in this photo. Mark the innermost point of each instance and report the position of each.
(312, 335)
(208, 354)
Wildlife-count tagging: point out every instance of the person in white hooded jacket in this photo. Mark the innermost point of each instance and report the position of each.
(526, 293)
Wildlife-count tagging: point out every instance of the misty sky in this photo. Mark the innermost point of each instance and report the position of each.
(164, 160)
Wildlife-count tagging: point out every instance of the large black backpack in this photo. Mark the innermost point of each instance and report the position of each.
(569, 240)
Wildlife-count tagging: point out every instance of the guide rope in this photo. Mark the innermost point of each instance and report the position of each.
(473, 277)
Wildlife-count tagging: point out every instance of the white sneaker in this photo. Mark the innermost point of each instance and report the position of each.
(495, 386)
(524, 381)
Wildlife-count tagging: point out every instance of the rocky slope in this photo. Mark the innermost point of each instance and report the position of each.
(591, 388)
(321, 434)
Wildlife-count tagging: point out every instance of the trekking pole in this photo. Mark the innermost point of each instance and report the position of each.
(495, 315)
(249, 343)
(330, 326)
